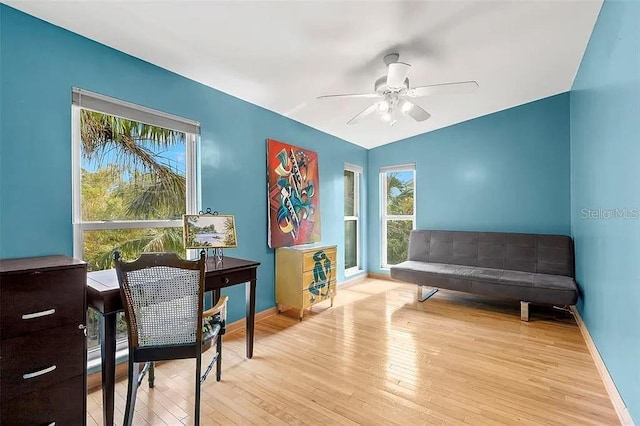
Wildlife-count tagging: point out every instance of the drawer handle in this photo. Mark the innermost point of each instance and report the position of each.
(226, 280)
(38, 373)
(38, 314)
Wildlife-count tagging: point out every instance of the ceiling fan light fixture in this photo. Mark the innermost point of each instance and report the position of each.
(391, 90)
(406, 107)
(383, 106)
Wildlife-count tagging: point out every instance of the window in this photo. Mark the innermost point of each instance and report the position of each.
(398, 212)
(352, 176)
(133, 178)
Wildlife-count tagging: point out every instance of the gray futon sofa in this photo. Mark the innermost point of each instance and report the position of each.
(530, 268)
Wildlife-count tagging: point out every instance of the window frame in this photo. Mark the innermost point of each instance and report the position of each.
(191, 175)
(82, 99)
(384, 217)
(357, 177)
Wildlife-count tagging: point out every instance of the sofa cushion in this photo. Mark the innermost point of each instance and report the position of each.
(527, 286)
(545, 254)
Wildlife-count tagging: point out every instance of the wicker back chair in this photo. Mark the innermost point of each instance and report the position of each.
(163, 299)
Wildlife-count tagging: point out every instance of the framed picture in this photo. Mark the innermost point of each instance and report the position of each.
(294, 195)
(203, 231)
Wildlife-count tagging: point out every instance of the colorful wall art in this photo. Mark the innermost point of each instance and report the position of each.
(322, 276)
(294, 195)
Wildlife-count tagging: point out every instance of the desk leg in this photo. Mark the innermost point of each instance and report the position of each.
(108, 354)
(250, 290)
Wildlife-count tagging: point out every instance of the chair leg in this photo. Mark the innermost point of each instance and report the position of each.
(132, 390)
(219, 360)
(196, 415)
(152, 374)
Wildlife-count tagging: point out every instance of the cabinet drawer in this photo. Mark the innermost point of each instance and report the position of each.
(312, 296)
(313, 278)
(227, 279)
(38, 360)
(62, 403)
(312, 259)
(37, 300)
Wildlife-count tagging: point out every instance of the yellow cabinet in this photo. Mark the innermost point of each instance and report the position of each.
(305, 275)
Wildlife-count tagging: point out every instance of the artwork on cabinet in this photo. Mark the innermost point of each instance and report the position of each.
(322, 276)
(294, 195)
(209, 231)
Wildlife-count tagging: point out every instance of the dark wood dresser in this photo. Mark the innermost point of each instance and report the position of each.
(43, 354)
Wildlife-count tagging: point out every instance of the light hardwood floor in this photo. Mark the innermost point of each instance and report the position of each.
(380, 357)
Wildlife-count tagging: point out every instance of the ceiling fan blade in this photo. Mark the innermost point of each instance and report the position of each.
(397, 74)
(414, 111)
(362, 114)
(351, 95)
(443, 89)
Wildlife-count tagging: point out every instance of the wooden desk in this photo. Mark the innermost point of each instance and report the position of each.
(103, 294)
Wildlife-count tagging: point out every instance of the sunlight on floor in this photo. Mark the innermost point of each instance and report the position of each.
(380, 357)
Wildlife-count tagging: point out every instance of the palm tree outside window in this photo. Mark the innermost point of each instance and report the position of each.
(398, 202)
(134, 178)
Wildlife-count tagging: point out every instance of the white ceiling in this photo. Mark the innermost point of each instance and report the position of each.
(281, 55)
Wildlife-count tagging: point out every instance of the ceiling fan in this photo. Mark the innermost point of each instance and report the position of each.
(394, 89)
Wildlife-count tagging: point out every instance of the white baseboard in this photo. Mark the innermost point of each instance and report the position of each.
(614, 395)
(355, 279)
(378, 276)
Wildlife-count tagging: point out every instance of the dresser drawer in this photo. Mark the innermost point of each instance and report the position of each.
(312, 258)
(317, 294)
(62, 403)
(39, 360)
(37, 300)
(310, 278)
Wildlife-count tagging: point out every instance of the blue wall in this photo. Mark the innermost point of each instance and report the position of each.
(605, 174)
(39, 65)
(507, 172)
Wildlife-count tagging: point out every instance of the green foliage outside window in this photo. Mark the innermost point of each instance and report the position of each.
(398, 240)
(399, 186)
(130, 171)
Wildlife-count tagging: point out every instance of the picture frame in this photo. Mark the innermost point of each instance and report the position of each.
(209, 231)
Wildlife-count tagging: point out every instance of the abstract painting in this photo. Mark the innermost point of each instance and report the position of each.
(294, 195)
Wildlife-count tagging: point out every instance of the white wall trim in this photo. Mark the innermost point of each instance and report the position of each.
(612, 390)
(398, 168)
(353, 168)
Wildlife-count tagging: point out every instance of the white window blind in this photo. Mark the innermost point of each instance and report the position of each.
(105, 104)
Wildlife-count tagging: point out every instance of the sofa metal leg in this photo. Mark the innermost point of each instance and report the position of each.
(524, 311)
(564, 308)
(425, 292)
